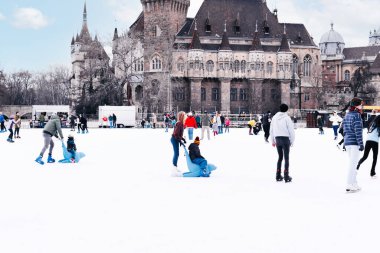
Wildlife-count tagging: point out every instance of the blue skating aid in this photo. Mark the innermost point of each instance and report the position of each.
(67, 155)
(195, 169)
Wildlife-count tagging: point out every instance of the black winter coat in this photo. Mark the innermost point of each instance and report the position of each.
(194, 151)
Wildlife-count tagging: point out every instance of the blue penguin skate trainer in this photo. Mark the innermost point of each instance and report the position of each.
(39, 160)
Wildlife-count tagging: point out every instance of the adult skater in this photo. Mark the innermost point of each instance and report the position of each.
(114, 119)
(2, 120)
(72, 122)
(17, 125)
(176, 140)
(78, 123)
(283, 136)
(110, 121)
(353, 140)
(154, 120)
(266, 120)
(372, 142)
(205, 118)
(251, 124)
(83, 122)
(11, 125)
(52, 128)
(190, 124)
(320, 124)
(335, 119)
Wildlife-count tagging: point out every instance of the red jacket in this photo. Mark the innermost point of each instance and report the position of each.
(190, 122)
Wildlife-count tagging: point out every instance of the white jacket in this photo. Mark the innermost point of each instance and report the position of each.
(335, 119)
(282, 125)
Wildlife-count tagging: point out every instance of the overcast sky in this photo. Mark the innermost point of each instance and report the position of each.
(36, 34)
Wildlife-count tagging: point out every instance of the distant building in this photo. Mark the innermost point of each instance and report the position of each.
(339, 64)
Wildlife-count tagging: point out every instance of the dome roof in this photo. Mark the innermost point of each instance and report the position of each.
(332, 36)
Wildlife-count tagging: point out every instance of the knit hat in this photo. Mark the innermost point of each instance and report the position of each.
(197, 141)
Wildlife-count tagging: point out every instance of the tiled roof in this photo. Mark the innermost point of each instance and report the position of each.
(375, 68)
(138, 25)
(356, 53)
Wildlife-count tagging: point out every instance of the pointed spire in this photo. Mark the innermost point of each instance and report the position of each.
(284, 28)
(332, 26)
(285, 47)
(225, 43)
(256, 43)
(85, 12)
(195, 42)
(72, 41)
(77, 38)
(115, 34)
(96, 38)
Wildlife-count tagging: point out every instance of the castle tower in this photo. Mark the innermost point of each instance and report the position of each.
(162, 20)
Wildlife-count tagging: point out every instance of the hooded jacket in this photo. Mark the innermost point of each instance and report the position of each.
(282, 126)
(53, 127)
(353, 129)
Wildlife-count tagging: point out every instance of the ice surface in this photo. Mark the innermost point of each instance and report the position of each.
(121, 198)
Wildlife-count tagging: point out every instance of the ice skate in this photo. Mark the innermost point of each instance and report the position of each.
(176, 172)
(373, 175)
(279, 178)
(10, 140)
(39, 160)
(353, 188)
(338, 146)
(50, 159)
(287, 178)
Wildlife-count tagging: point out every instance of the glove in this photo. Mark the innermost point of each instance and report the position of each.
(184, 141)
(181, 144)
(361, 148)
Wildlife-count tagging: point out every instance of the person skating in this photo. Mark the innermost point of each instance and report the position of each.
(227, 124)
(52, 128)
(206, 121)
(372, 142)
(79, 123)
(282, 136)
(83, 122)
(266, 125)
(72, 122)
(320, 124)
(17, 126)
(251, 124)
(176, 140)
(71, 147)
(11, 125)
(353, 140)
(197, 158)
(2, 121)
(114, 119)
(190, 124)
(335, 119)
(340, 130)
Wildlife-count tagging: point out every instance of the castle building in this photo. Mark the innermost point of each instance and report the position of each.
(233, 56)
(89, 62)
(339, 64)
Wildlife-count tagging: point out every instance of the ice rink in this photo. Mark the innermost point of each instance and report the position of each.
(121, 198)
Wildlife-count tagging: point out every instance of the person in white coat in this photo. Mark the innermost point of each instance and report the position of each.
(335, 119)
(282, 136)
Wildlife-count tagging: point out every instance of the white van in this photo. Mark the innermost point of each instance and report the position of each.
(47, 111)
(125, 115)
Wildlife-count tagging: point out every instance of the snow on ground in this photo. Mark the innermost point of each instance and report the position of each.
(121, 198)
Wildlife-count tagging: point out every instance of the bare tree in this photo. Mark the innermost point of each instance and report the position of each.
(361, 78)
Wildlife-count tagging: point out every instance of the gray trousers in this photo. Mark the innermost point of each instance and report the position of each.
(48, 140)
(205, 128)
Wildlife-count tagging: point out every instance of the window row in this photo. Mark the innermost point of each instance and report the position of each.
(242, 66)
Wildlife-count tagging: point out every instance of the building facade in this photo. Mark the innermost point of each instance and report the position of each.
(234, 56)
(339, 64)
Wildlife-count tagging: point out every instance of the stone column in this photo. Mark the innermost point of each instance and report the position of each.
(195, 94)
(225, 90)
(285, 93)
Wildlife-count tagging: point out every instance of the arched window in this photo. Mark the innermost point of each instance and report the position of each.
(307, 65)
(287, 65)
(236, 66)
(226, 64)
(270, 67)
(257, 65)
(139, 92)
(210, 66)
(295, 64)
(347, 75)
(156, 63)
(243, 66)
(180, 65)
(281, 66)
